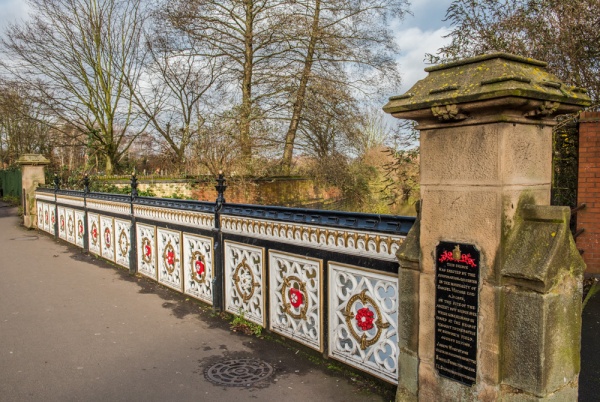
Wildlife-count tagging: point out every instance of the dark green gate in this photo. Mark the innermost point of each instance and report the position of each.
(10, 183)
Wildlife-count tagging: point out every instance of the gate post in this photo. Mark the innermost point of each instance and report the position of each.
(32, 175)
(486, 160)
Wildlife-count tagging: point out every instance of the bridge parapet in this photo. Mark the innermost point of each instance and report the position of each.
(325, 279)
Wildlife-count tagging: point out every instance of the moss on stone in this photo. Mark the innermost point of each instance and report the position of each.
(486, 77)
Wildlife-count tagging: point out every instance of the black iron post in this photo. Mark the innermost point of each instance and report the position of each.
(132, 229)
(86, 184)
(220, 187)
(86, 190)
(219, 261)
(134, 186)
(56, 188)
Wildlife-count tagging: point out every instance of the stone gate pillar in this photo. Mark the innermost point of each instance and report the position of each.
(478, 323)
(32, 175)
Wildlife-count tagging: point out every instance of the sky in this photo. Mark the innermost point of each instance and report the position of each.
(418, 34)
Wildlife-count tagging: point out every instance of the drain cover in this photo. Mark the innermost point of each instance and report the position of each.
(238, 372)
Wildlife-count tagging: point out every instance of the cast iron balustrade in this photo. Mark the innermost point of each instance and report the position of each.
(326, 279)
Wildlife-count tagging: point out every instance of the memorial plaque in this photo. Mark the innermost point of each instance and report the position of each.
(456, 302)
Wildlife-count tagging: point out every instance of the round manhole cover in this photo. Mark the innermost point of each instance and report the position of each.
(238, 372)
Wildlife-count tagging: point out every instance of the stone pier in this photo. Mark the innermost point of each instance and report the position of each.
(32, 172)
(490, 265)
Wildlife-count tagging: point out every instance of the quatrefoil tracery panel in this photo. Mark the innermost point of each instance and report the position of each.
(79, 228)
(244, 281)
(62, 223)
(363, 323)
(295, 298)
(40, 215)
(169, 258)
(122, 242)
(146, 250)
(48, 227)
(71, 225)
(94, 233)
(107, 238)
(198, 266)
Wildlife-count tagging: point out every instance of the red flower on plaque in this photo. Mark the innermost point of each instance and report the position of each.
(148, 250)
(170, 257)
(199, 265)
(62, 223)
(464, 258)
(364, 318)
(107, 237)
(80, 228)
(53, 219)
(94, 233)
(296, 297)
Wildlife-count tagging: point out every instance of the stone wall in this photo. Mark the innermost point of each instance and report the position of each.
(269, 191)
(588, 190)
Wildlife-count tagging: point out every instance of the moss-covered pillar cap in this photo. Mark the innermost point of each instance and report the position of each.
(32, 159)
(484, 89)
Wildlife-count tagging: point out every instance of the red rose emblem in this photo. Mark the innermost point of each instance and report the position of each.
(53, 219)
(296, 297)
(80, 228)
(364, 319)
(62, 223)
(199, 265)
(170, 257)
(107, 237)
(148, 250)
(94, 233)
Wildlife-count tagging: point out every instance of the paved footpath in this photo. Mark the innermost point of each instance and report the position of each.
(73, 328)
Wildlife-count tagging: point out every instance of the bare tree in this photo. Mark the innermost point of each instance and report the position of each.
(176, 89)
(79, 55)
(326, 36)
(329, 120)
(244, 34)
(23, 126)
(562, 32)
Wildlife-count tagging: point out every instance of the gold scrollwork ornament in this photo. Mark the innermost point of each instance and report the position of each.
(363, 340)
(288, 285)
(169, 258)
(123, 242)
(146, 250)
(243, 278)
(71, 226)
(198, 257)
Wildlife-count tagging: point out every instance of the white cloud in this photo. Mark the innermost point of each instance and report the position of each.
(427, 14)
(12, 11)
(414, 44)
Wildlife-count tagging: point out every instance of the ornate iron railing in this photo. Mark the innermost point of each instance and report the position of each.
(325, 279)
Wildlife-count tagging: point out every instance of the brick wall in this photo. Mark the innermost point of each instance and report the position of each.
(588, 190)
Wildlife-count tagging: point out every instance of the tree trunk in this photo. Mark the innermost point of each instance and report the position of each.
(290, 137)
(109, 165)
(246, 112)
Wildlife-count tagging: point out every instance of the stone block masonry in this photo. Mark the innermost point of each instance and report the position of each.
(588, 190)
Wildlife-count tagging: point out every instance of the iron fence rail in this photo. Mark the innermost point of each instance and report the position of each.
(325, 279)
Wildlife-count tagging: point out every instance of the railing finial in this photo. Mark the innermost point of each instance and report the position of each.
(86, 183)
(220, 187)
(134, 185)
